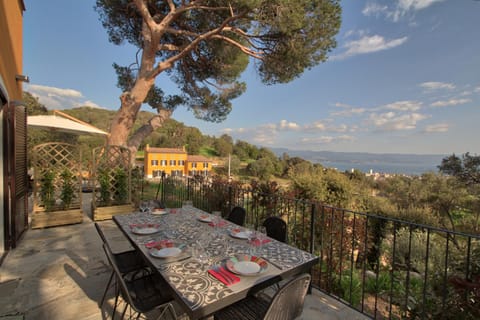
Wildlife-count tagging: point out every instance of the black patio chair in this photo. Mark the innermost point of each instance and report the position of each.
(142, 291)
(276, 228)
(126, 261)
(237, 216)
(286, 304)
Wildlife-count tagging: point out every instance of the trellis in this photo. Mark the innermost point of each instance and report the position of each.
(112, 176)
(49, 161)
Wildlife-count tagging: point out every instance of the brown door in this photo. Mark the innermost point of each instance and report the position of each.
(15, 173)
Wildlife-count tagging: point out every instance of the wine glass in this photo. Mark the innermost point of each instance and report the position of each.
(143, 206)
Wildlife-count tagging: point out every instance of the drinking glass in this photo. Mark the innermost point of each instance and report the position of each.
(200, 253)
(217, 218)
(143, 206)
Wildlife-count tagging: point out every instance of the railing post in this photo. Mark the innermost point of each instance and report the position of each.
(163, 186)
(230, 196)
(312, 228)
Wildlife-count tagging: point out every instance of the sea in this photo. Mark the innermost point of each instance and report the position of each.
(407, 164)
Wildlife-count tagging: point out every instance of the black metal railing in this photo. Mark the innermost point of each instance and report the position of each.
(383, 267)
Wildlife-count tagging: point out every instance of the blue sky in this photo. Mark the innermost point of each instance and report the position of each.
(404, 78)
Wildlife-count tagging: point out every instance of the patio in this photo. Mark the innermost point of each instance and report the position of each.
(60, 273)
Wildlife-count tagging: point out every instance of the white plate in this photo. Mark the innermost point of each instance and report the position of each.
(243, 234)
(246, 267)
(165, 252)
(144, 230)
(205, 218)
(159, 211)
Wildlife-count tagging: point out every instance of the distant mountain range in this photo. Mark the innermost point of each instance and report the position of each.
(411, 164)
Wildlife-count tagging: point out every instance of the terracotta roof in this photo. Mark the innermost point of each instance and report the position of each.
(166, 150)
(196, 158)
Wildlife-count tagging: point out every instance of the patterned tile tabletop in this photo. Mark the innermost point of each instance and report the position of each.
(202, 247)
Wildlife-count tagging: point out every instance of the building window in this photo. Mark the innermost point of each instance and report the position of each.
(205, 164)
(156, 173)
(173, 162)
(154, 162)
(181, 162)
(194, 164)
(163, 162)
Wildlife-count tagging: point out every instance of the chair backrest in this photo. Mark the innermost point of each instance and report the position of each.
(276, 228)
(288, 302)
(101, 234)
(118, 275)
(237, 216)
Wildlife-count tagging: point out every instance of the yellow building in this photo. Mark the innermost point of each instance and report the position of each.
(173, 162)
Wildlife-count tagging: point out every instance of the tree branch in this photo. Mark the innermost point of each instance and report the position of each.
(146, 16)
(144, 131)
(244, 49)
(168, 63)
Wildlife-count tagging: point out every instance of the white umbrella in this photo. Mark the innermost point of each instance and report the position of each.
(63, 123)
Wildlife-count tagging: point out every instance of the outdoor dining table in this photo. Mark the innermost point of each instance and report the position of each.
(193, 287)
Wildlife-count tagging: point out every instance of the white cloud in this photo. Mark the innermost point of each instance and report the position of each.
(391, 121)
(440, 127)
(374, 9)
(477, 89)
(403, 106)
(54, 92)
(415, 5)
(319, 126)
(451, 102)
(434, 85)
(285, 125)
(348, 110)
(368, 44)
(59, 98)
(396, 11)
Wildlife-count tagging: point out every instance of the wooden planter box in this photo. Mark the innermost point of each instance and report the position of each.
(42, 219)
(106, 213)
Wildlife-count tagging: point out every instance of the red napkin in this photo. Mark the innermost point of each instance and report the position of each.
(222, 278)
(257, 242)
(159, 244)
(173, 210)
(220, 224)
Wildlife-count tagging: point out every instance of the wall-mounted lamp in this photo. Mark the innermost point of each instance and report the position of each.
(21, 77)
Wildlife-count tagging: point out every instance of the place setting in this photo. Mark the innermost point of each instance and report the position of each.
(145, 228)
(154, 207)
(168, 250)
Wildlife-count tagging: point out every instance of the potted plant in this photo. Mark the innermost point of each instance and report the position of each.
(47, 190)
(114, 193)
(68, 188)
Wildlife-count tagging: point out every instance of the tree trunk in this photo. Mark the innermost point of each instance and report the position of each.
(131, 101)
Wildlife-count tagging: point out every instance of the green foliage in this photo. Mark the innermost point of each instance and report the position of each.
(68, 191)
(47, 189)
(120, 185)
(105, 188)
(466, 169)
(349, 287)
(381, 285)
(411, 250)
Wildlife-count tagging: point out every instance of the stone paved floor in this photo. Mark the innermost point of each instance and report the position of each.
(60, 273)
